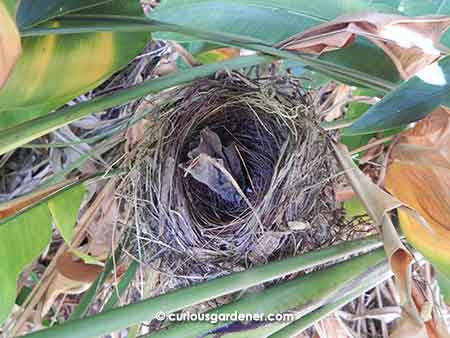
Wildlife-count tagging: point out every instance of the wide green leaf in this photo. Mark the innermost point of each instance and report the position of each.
(26, 233)
(10, 46)
(32, 12)
(23, 239)
(54, 69)
(409, 102)
(444, 285)
(263, 19)
(64, 209)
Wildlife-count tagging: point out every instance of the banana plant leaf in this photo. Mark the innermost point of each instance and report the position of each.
(33, 12)
(26, 228)
(54, 69)
(263, 19)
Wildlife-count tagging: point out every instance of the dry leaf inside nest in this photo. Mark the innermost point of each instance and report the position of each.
(411, 42)
(216, 166)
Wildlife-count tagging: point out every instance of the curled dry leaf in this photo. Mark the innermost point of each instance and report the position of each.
(419, 175)
(434, 322)
(338, 99)
(378, 204)
(411, 42)
(10, 46)
(72, 277)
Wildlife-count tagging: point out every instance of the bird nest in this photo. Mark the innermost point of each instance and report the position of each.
(231, 173)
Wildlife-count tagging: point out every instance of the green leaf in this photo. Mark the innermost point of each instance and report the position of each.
(354, 111)
(409, 102)
(307, 290)
(64, 209)
(420, 7)
(23, 239)
(353, 207)
(32, 12)
(30, 130)
(126, 316)
(10, 46)
(444, 285)
(54, 69)
(25, 234)
(263, 19)
(125, 280)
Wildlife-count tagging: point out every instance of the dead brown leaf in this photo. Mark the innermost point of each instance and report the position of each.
(411, 42)
(10, 46)
(434, 322)
(73, 277)
(338, 99)
(216, 166)
(419, 175)
(428, 143)
(378, 204)
(266, 245)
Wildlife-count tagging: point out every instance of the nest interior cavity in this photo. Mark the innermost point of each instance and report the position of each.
(231, 173)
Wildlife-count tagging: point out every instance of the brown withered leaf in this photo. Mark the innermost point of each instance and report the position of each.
(419, 175)
(339, 98)
(411, 42)
(266, 246)
(73, 276)
(210, 171)
(222, 54)
(434, 322)
(10, 46)
(378, 204)
(206, 160)
(428, 143)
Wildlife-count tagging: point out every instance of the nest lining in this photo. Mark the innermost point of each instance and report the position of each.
(233, 172)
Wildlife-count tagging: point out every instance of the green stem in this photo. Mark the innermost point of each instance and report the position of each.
(116, 319)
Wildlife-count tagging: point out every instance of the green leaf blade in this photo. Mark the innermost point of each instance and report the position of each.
(32, 12)
(23, 239)
(409, 102)
(64, 208)
(262, 20)
(55, 68)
